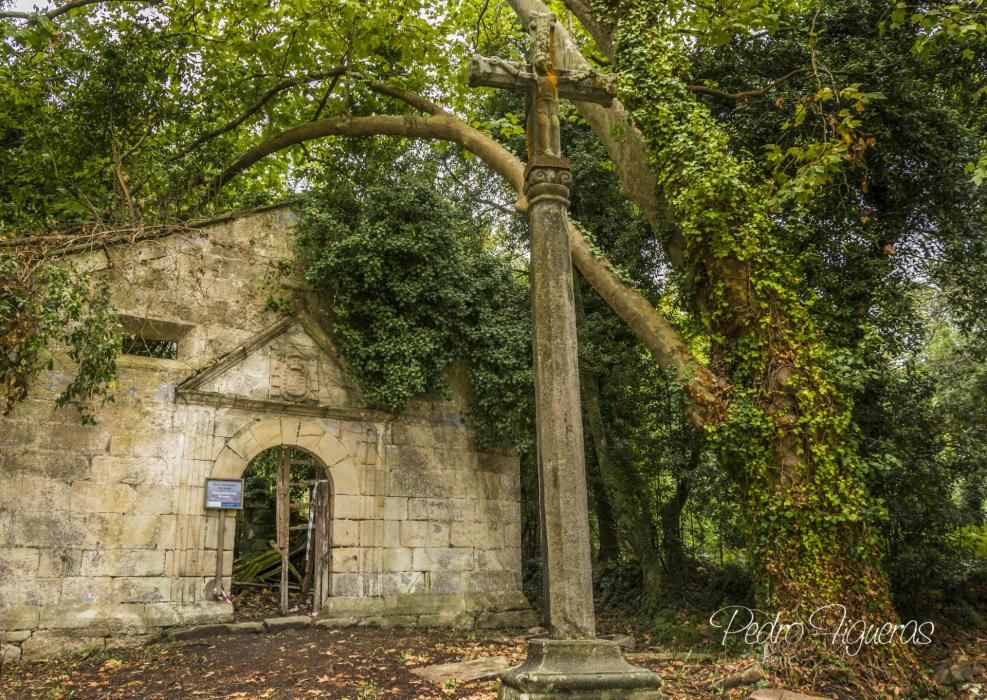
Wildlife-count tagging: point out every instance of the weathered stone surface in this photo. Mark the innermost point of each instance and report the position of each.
(17, 618)
(279, 624)
(15, 637)
(203, 631)
(171, 614)
(44, 645)
(962, 671)
(624, 641)
(781, 694)
(105, 527)
(513, 618)
(334, 622)
(104, 615)
(458, 620)
(583, 669)
(9, 653)
(462, 671)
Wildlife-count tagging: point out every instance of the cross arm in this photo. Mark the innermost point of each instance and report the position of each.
(578, 86)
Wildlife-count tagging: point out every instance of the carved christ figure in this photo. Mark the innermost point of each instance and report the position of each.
(543, 102)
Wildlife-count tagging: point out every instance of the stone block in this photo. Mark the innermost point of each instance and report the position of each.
(414, 533)
(96, 529)
(395, 508)
(290, 428)
(469, 534)
(9, 653)
(345, 480)
(72, 439)
(36, 493)
(267, 433)
(58, 465)
(121, 443)
(511, 618)
(15, 637)
(438, 535)
(396, 559)
(170, 614)
(167, 525)
(19, 617)
(442, 559)
(458, 620)
(103, 615)
(16, 562)
(336, 622)
(345, 559)
(140, 531)
(417, 508)
(156, 499)
(340, 606)
(579, 669)
(151, 589)
(129, 641)
(390, 621)
(391, 533)
(28, 592)
(449, 582)
(512, 534)
(44, 645)
(246, 628)
(118, 470)
(82, 590)
(351, 507)
(123, 562)
(185, 634)
(345, 533)
(497, 601)
(428, 603)
(346, 585)
(280, 624)
(403, 582)
(92, 497)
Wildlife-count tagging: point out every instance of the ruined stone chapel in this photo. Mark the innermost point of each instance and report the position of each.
(105, 533)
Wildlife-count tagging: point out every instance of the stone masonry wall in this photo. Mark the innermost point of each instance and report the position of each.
(103, 533)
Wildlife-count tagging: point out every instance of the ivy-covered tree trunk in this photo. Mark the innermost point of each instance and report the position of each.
(768, 401)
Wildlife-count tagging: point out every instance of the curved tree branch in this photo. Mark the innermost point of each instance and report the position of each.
(706, 390)
(747, 94)
(62, 9)
(280, 86)
(601, 34)
(440, 126)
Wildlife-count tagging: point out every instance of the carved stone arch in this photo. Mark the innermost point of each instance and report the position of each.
(308, 435)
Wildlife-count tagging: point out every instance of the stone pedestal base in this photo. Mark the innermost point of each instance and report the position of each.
(580, 669)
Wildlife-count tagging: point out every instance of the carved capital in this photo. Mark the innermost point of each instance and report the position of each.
(547, 178)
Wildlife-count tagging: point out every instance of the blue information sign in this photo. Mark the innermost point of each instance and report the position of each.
(224, 493)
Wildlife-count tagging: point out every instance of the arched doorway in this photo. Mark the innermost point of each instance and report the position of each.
(284, 530)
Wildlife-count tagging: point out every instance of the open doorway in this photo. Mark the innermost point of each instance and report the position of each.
(281, 554)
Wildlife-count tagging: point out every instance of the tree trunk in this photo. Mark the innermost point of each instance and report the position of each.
(608, 547)
(676, 562)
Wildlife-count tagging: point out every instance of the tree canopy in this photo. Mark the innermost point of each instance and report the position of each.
(779, 226)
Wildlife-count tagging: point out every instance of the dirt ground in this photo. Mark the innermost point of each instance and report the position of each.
(356, 663)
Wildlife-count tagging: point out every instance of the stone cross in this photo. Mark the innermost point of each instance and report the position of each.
(571, 664)
(561, 466)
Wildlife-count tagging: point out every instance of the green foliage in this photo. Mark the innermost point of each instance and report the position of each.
(414, 287)
(46, 305)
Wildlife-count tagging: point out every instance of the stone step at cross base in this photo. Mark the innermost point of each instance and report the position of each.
(578, 669)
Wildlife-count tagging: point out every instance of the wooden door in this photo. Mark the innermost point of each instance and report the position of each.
(302, 486)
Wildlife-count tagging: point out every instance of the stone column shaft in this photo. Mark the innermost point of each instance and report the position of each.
(568, 571)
